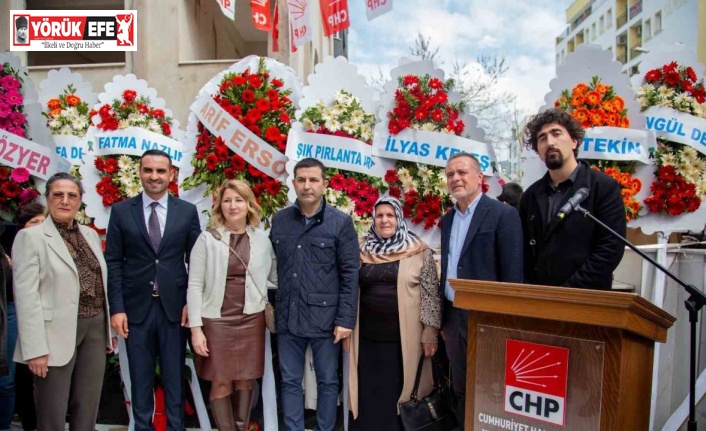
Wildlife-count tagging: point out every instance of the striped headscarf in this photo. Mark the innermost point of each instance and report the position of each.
(376, 249)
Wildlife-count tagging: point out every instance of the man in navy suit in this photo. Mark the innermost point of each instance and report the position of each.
(148, 244)
(481, 239)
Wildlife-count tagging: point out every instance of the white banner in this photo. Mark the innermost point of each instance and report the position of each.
(336, 152)
(299, 21)
(227, 7)
(431, 148)
(17, 152)
(239, 138)
(69, 147)
(375, 8)
(615, 143)
(677, 126)
(133, 141)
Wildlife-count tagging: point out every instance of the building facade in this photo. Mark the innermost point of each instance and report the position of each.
(182, 44)
(630, 28)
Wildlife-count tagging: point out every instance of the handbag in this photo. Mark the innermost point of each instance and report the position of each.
(269, 308)
(431, 413)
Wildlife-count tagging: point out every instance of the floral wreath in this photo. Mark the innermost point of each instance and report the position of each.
(16, 185)
(351, 192)
(262, 104)
(680, 171)
(119, 174)
(422, 103)
(597, 105)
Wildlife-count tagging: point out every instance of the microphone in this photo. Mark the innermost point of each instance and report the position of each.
(573, 202)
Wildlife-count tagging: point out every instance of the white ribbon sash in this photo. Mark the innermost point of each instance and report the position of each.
(239, 138)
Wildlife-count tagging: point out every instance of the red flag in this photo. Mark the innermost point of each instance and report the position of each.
(275, 30)
(261, 14)
(334, 14)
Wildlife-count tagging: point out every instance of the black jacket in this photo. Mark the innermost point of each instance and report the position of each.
(574, 252)
(317, 269)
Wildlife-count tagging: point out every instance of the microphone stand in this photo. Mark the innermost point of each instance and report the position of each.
(694, 304)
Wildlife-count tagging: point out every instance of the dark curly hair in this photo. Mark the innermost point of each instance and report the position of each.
(553, 116)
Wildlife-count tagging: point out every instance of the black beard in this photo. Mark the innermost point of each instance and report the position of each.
(554, 162)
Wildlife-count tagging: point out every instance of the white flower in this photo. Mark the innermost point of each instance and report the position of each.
(79, 123)
(425, 174)
(668, 159)
(348, 207)
(349, 127)
(133, 189)
(665, 92)
(54, 123)
(366, 133)
(326, 114)
(428, 127)
(65, 130)
(134, 116)
(688, 153)
(443, 184)
(343, 98)
(365, 224)
(701, 189)
(154, 126)
(699, 164)
(125, 163)
(358, 115)
(124, 124)
(332, 125)
(337, 111)
(71, 113)
(308, 124)
(82, 218)
(408, 183)
(403, 173)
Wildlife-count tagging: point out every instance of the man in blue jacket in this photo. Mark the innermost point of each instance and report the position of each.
(481, 239)
(317, 299)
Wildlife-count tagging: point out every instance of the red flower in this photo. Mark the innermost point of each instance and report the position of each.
(157, 113)
(653, 75)
(337, 182)
(255, 81)
(272, 134)
(263, 104)
(254, 115)
(4, 172)
(166, 129)
(395, 192)
(229, 173)
(410, 80)
(435, 83)
(248, 96)
(421, 114)
(672, 78)
(238, 80)
(129, 95)
(237, 162)
(211, 162)
(277, 83)
(273, 187)
(111, 165)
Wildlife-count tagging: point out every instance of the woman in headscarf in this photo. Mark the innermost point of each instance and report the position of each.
(398, 320)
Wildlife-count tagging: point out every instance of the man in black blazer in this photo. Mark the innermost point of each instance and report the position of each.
(573, 252)
(148, 244)
(481, 239)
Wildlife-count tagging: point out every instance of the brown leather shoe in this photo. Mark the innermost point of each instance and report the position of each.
(222, 411)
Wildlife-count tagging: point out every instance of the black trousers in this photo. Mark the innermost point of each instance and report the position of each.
(456, 339)
(156, 337)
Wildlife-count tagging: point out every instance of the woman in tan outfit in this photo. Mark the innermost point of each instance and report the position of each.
(232, 264)
(398, 320)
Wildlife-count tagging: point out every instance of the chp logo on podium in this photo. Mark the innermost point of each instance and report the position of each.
(73, 30)
(535, 381)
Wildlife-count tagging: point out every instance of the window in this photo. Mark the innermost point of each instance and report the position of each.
(647, 30)
(609, 19)
(593, 31)
(658, 22)
(601, 24)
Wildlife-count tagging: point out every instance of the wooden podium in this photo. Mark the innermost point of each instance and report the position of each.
(620, 330)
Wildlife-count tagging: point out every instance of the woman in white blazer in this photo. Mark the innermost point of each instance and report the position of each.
(62, 310)
(231, 267)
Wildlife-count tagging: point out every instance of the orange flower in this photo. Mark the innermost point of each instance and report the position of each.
(602, 88)
(612, 119)
(55, 112)
(72, 100)
(608, 106)
(612, 172)
(635, 206)
(54, 103)
(580, 89)
(619, 103)
(593, 98)
(624, 178)
(576, 100)
(586, 124)
(597, 118)
(636, 185)
(625, 122)
(581, 114)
